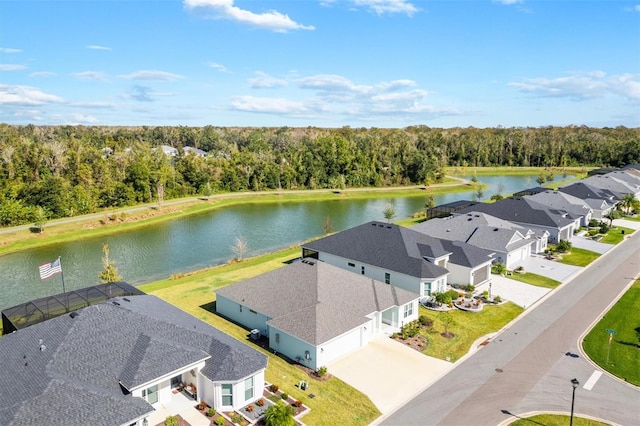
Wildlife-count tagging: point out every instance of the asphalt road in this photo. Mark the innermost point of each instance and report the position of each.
(526, 367)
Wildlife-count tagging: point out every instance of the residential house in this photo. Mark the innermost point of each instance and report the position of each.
(403, 257)
(510, 243)
(601, 201)
(618, 183)
(189, 150)
(169, 150)
(314, 312)
(115, 362)
(562, 201)
(530, 214)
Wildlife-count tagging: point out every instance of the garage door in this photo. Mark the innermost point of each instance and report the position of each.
(479, 276)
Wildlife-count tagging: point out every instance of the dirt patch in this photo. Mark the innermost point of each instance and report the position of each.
(313, 374)
(448, 335)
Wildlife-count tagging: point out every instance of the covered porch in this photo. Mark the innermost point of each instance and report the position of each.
(182, 404)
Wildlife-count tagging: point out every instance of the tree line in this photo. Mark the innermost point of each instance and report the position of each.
(59, 171)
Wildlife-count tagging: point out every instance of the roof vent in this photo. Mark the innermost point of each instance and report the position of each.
(115, 303)
(74, 314)
(469, 219)
(388, 226)
(448, 230)
(126, 300)
(495, 229)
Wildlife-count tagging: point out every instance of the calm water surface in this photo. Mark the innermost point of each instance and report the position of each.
(202, 240)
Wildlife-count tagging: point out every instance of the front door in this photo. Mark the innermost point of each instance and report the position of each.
(175, 381)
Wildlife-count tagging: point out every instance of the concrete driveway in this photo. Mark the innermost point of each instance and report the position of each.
(520, 293)
(627, 223)
(388, 372)
(591, 245)
(549, 268)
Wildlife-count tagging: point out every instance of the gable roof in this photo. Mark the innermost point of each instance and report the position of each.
(562, 201)
(584, 191)
(521, 210)
(612, 183)
(315, 301)
(386, 246)
(126, 342)
(479, 230)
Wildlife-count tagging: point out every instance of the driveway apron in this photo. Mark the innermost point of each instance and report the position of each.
(388, 372)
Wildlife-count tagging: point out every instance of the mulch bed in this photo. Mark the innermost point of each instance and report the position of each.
(181, 421)
(313, 374)
(417, 342)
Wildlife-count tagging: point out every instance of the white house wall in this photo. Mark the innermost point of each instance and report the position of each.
(459, 274)
(344, 344)
(238, 389)
(412, 284)
(292, 347)
(242, 315)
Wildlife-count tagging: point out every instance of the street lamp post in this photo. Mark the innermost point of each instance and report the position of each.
(575, 383)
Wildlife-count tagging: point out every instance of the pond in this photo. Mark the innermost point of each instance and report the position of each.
(198, 241)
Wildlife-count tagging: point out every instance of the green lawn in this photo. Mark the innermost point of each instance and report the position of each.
(534, 279)
(615, 236)
(335, 402)
(624, 356)
(556, 420)
(578, 257)
(467, 328)
(632, 218)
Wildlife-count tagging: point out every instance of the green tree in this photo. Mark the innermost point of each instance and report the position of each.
(628, 202)
(389, 212)
(40, 218)
(279, 414)
(110, 273)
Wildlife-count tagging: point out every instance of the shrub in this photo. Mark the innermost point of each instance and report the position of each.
(563, 246)
(250, 408)
(604, 228)
(322, 371)
(485, 294)
(453, 293)
(284, 396)
(211, 412)
(273, 388)
(443, 298)
(497, 299)
(237, 418)
(423, 319)
(219, 421)
(470, 288)
(260, 402)
(499, 268)
(593, 223)
(297, 403)
(202, 405)
(171, 421)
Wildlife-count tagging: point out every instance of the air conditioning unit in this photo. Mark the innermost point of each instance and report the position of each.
(255, 334)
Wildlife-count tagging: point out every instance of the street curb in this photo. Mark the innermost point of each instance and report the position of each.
(513, 418)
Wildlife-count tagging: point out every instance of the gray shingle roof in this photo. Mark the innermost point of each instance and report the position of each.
(315, 301)
(521, 210)
(130, 341)
(562, 201)
(587, 192)
(478, 229)
(388, 246)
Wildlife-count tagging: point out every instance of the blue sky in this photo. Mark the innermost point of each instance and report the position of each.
(325, 63)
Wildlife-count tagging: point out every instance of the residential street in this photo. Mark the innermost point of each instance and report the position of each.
(528, 367)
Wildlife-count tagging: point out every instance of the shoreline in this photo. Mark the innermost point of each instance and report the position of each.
(113, 221)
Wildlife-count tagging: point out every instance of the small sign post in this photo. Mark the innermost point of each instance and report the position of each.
(611, 333)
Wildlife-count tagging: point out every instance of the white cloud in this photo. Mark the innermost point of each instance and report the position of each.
(11, 67)
(9, 50)
(338, 96)
(388, 6)
(25, 95)
(218, 67)
(78, 118)
(90, 75)
(152, 75)
(583, 85)
(42, 74)
(97, 47)
(270, 20)
(265, 81)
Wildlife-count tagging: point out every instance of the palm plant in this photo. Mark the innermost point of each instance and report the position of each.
(279, 414)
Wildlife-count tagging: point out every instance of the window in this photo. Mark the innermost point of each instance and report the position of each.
(252, 311)
(277, 337)
(387, 278)
(227, 395)
(248, 389)
(150, 394)
(353, 265)
(408, 310)
(240, 308)
(362, 270)
(427, 289)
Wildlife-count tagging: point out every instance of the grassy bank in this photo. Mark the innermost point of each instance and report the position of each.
(616, 235)
(624, 353)
(126, 219)
(515, 171)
